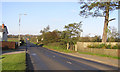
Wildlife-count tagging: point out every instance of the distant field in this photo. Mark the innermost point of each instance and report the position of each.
(13, 39)
(13, 62)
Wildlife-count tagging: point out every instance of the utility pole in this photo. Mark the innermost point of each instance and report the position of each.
(19, 28)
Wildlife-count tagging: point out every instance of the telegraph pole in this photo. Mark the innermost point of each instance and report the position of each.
(19, 28)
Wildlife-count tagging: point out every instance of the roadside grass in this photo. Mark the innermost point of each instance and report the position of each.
(14, 62)
(102, 55)
(69, 51)
(33, 42)
(58, 49)
(0, 63)
(0, 66)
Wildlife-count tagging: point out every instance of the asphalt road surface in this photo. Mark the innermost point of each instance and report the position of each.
(40, 58)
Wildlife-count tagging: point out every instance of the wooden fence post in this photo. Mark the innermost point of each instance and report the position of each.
(67, 46)
(75, 47)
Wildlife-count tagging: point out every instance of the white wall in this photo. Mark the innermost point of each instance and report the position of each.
(1, 35)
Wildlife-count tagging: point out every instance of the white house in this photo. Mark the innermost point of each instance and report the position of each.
(3, 33)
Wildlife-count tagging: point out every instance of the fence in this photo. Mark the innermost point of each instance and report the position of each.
(82, 47)
(8, 45)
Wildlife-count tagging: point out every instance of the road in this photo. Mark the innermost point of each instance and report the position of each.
(40, 58)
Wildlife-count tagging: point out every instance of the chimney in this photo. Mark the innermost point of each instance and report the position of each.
(2, 26)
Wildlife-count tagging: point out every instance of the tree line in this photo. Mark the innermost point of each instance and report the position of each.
(72, 31)
(71, 35)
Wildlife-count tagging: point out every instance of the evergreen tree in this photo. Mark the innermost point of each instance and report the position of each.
(99, 9)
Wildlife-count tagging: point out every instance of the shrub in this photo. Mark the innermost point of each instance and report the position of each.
(108, 46)
(117, 46)
(101, 45)
(90, 46)
(58, 44)
(96, 46)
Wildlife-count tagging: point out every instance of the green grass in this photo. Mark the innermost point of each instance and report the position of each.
(99, 55)
(14, 62)
(33, 42)
(58, 49)
(69, 51)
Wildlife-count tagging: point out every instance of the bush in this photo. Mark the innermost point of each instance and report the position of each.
(58, 44)
(108, 46)
(90, 46)
(101, 45)
(96, 46)
(117, 46)
(50, 37)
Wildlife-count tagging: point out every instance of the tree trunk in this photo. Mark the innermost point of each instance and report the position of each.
(104, 37)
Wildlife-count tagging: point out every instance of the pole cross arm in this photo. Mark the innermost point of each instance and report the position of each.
(112, 19)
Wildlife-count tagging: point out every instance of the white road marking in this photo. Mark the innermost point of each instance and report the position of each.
(53, 56)
(33, 53)
(69, 62)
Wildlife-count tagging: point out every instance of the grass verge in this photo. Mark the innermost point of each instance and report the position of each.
(69, 51)
(114, 57)
(34, 42)
(13, 62)
(58, 49)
